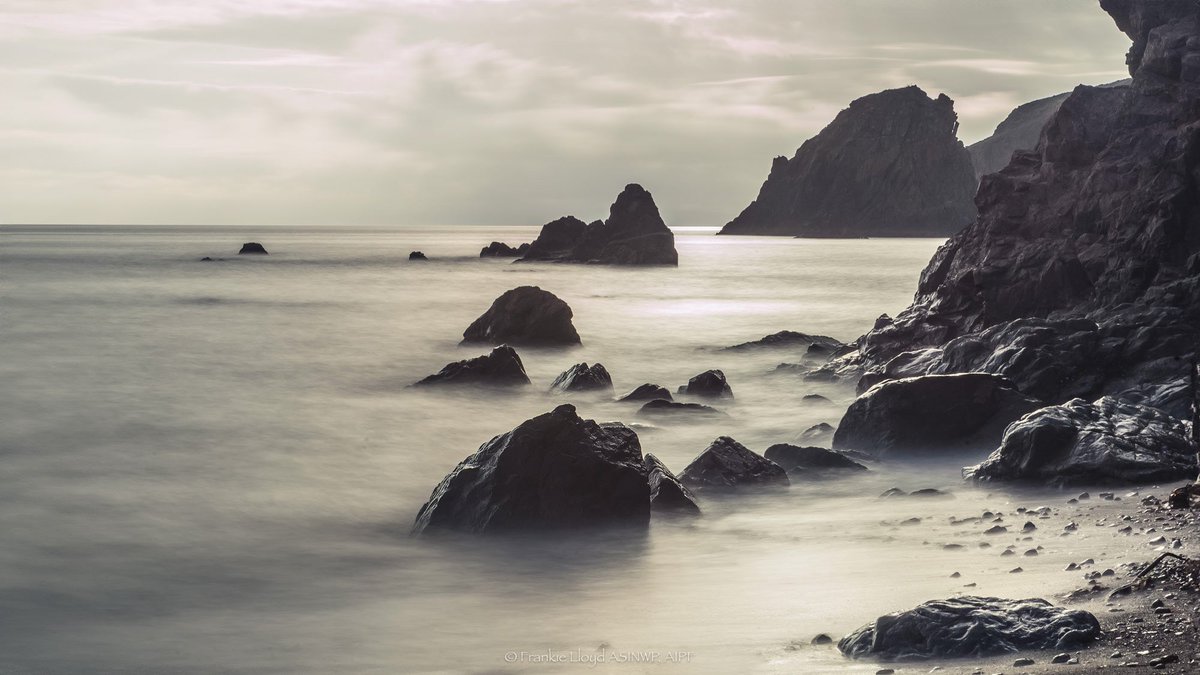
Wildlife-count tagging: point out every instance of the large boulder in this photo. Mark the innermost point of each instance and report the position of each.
(633, 234)
(499, 249)
(252, 248)
(810, 460)
(647, 392)
(889, 165)
(932, 414)
(501, 368)
(582, 377)
(725, 464)
(553, 471)
(709, 384)
(666, 492)
(526, 315)
(1108, 441)
(971, 626)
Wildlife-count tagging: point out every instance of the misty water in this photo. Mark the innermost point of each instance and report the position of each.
(214, 466)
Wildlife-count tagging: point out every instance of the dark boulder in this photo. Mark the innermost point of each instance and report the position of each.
(502, 368)
(889, 165)
(498, 249)
(553, 471)
(789, 339)
(660, 406)
(932, 414)
(647, 392)
(709, 384)
(417, 255)
(526, 315)
(729, 464)
(971, 627)
(582, 377)
(817, 432)
(810, 460)
(666, 492)
(634, 234)
(1108, 441)
(252, 248)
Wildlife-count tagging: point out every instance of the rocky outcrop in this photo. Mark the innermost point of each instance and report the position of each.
(666, 492)
(501, 368)
(553, 471)
(634, 234)
(788, 339)
(526, 315)
(582, 377)
(1100, 223)
(932, 414)
(662, 407)
(1019, 131)
(889, 165)
(810, 461)
(728, 464)
(971, 626)
(417, 255)
(647, 392)
(252, 248)
(498, 249)
(1104, 442)
(709, 384)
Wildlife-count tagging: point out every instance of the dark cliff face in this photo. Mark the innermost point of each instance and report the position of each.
(1101, 222)
(634, 234)
(889, 165)
(1019, 131)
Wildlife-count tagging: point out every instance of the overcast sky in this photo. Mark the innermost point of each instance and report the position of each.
(422, 112)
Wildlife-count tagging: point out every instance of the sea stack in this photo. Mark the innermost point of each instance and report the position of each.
(634, 234)
(252, 248)
(890, 165)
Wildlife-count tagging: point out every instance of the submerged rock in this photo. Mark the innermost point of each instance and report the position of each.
(1107, 441)
(660, 406)
(502, 367)
(252, 248)
(417, 255)
(923, 416)
(553, 471)
(634, 234)
(729, 464)
(889, 165)
(666, 492)
(647, 392)
(971, 626)
(787, 339)
(582, 377)
(709, 384)
(499, 249)
(526, 315)
(809, 460)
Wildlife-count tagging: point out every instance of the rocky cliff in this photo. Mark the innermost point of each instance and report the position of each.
(1081, 276)
(889, 165)
(634, 234)
(1019, 131)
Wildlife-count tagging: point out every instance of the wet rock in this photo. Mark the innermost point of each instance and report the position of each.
(930, 493)
(810, 461)
(822, 639)
(526, 315)
(932, 414)
(815, 398)
(816, 433)
(890, 165)
(498, 249)
(647, 392)
(666, 492)
(553, 471)
(634, 234)
(725, 463)
(582, 377)
(971, 626)
(1107, 441)
(501, 368)
(789, 339)
(252, 248)
(663, 407)
(1060, 658)
(1022, 663)
(417, 255)
(709, 384)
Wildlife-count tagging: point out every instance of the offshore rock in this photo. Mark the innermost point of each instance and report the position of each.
(889, 165)
(709, 384)
(526, 315)
(725, 464)
(1104, 442)
(498, 249)
(582, 377)
(501, 368)
(666, 492)
(665, 407)
(252, 248)
(809, 460)
(647, 392)
(634, 234)
(553, 471)
(789, 338)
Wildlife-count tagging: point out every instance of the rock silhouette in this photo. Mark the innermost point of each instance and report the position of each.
(647, 392)
(1019, 131)
(417, 255)
(526, 315)
(725, 464)
(709, 384)
(582, 377)
(252, 248)
(498, 249)
(502, 367)
(633, 234)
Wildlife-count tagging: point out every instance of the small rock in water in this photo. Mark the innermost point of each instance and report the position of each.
(1157, 541)
(1028, 527)
(1083, 495)
(996, 529)
(955, 575)
(417, 255)
(893, 492)
(1031, 552)
(1021, 663)
(1016, 570)
(822, 639)
(252, 248)
(1061, 658)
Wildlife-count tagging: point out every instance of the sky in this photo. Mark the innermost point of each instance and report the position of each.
(490, 112)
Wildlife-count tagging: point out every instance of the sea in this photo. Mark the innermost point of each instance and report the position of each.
(214, 466)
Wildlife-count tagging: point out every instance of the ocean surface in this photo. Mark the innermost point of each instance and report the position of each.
(213, 466)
